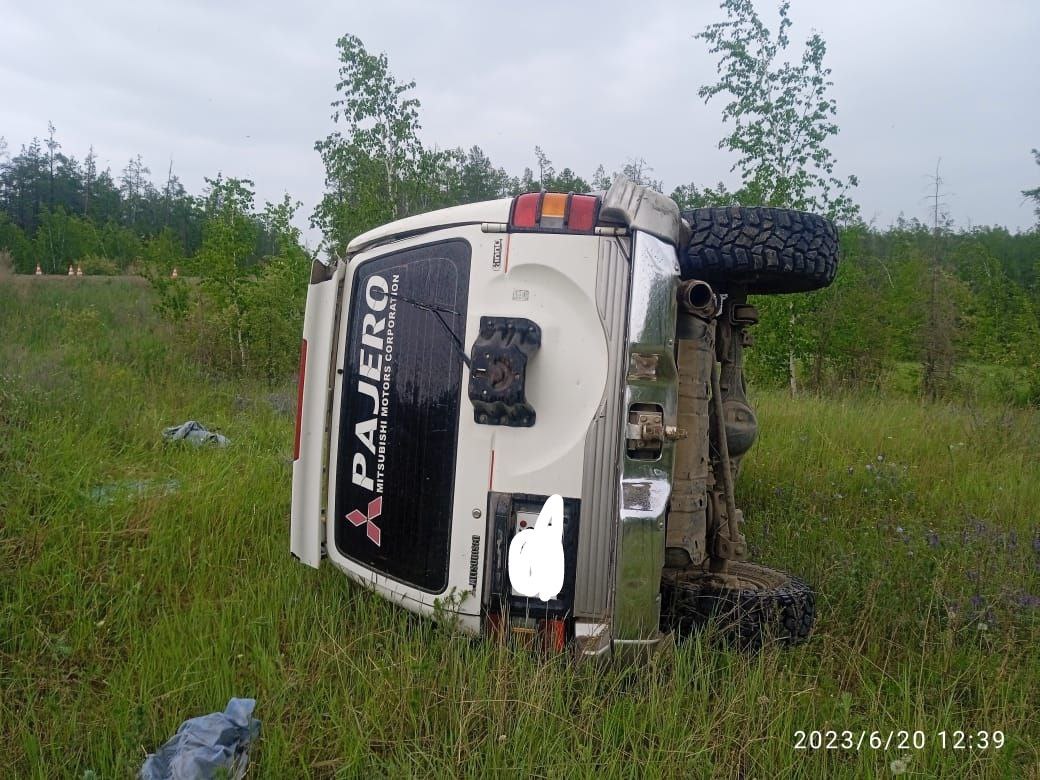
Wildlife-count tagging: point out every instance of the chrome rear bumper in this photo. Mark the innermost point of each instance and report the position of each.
(645, 485)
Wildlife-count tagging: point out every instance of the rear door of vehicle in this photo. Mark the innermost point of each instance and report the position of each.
(411, 469)
(397, 409)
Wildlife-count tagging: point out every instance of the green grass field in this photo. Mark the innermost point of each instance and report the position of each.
(143, 583)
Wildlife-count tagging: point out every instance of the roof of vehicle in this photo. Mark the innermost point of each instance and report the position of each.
(471, 213)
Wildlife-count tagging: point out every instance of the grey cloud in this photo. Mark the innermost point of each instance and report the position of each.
(245, 88)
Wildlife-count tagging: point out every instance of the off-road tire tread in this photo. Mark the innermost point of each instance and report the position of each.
(760, 249)
(748, 619)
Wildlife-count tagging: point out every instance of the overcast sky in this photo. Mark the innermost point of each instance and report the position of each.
(245, 87)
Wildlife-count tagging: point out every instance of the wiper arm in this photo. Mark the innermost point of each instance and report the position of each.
(436, 309)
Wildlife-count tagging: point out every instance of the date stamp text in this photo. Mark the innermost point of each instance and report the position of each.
(897, 739)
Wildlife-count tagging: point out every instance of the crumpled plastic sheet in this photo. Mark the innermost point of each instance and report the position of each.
(209, 746)
(196, 433)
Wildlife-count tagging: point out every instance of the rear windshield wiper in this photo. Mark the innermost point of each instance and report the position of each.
(437, 309)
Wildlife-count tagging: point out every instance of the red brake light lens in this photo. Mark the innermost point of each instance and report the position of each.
(554, 634)
(525, 210)
(583, 212)
(299, 398)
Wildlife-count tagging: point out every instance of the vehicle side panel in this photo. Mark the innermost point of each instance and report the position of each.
(307, 509)
(599, 491)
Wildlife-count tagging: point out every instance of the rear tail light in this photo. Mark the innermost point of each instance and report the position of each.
(526, 209)
(554, 206)
(548, 635)
(555, 212)
(299, 398)
(584, 210)
(494, 626)
(554, 635)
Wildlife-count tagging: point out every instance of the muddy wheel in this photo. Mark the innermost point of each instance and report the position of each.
(762, 606)
(760, 250)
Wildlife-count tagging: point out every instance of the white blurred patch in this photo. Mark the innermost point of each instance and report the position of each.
(536, 554)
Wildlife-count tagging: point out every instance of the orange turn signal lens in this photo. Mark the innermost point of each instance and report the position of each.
(554, 204)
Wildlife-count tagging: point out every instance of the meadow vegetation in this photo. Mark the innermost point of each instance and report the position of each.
(142, 583)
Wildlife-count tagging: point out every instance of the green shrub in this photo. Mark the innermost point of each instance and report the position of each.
(172, 295)
(17, 246)
(272, 318)
(94, 265)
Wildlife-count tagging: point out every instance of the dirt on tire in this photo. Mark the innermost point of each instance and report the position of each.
(767, 607)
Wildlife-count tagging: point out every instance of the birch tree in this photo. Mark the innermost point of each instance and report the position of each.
(781, 118)
(376, 150)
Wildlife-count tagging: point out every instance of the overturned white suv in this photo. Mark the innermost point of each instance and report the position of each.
(463, 368)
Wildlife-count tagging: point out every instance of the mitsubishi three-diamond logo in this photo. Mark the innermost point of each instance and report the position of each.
(356, 518)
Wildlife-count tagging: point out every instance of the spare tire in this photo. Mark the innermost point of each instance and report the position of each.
(758, 606)
(760, 250)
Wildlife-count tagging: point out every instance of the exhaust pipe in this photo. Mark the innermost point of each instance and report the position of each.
(697, 298)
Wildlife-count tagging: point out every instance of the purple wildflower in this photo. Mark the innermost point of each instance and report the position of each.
(1028, 600)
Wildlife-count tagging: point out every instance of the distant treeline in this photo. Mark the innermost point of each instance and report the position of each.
(56, 209)
(915, 308)
(939, 309)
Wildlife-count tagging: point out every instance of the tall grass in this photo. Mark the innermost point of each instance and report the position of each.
(142, 583)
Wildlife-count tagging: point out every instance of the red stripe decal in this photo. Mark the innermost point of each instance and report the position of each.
(299, 398)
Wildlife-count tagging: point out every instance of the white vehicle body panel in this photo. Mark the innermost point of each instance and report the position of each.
(307, 512)
(489, 211)
(549, 279)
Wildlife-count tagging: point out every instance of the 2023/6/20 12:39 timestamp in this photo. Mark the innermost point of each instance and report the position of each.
(901, 739)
